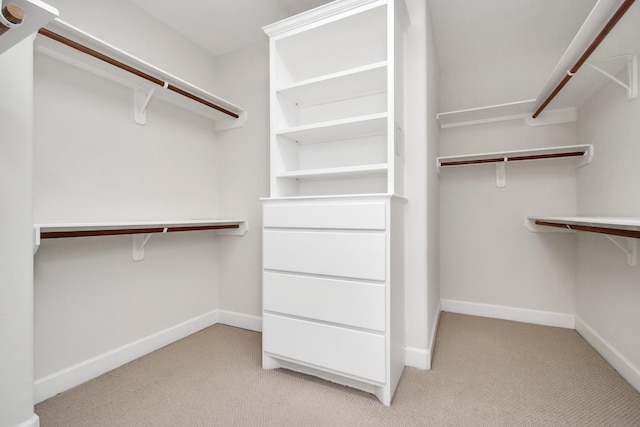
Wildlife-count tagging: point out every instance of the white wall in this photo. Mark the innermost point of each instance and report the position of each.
(492, 265)
(497, 82)
(243, 167)
(94, 307)
(608, 294)
(16, 267)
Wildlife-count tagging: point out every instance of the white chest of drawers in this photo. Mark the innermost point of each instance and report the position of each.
(333, 289)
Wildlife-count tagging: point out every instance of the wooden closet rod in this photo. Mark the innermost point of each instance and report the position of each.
(125, 67)
(594, 44)
(513, 159)
(602, 230)
(116, 232)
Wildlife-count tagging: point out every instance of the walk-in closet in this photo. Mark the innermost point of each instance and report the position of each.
(326, 177)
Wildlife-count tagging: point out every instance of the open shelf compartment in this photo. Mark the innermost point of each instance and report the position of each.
(361, 81)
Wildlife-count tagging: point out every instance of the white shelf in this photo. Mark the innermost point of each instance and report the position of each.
(144, 87)
(37, 15)
(584, 158)
(614, 223)
(376, 169)
(625, 227)
(623, 40)
(140, 230)
(347, 84)
(356, 127)
(492, 113)
(583, 153)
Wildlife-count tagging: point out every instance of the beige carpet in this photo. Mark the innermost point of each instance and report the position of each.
(485, 372)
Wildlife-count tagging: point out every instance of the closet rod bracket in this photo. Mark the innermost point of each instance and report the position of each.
(631, 249)
(632, 74)
(141, 99)
(501, 173)
(139, 242)
(225, 123)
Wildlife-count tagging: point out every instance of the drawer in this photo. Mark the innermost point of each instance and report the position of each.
(358, 216)
(338, 301)
(344, 254)
(356, 353)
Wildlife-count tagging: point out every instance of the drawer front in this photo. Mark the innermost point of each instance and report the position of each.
(338, 301)
(359, 216)
(361, 354)
(356, 255)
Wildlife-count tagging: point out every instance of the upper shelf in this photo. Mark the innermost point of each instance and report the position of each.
(36, 15)
(616, 51)
(493, 113)
(94, 55)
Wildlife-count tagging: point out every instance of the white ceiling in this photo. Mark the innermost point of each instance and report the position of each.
(466, 32)
(222, 26)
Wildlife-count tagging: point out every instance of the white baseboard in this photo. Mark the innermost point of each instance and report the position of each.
(624, 366)
(34, 421)
(420, 358)
(241, 320)
(525, 315)
(79, 373)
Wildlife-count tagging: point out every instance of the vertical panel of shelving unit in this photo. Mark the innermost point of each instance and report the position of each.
(333, 122)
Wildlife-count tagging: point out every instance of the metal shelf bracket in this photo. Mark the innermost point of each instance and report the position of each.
(631, 249)
(139, 242)
(501, 174)
(141, 98)
(632, 74)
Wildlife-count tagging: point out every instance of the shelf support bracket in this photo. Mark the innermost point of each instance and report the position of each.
(501, 173)
(632, 74)
(141, 100)
(631, 250)
(139, 242)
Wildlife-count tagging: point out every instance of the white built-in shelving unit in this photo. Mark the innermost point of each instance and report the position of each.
(74, 46)
(333, 106)
(615, 54)
(333, 230)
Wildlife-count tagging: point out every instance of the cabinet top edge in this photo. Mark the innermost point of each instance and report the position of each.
(386, 196)
(321, 12)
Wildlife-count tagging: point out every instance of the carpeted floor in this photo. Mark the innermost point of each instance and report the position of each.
(485, 372)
